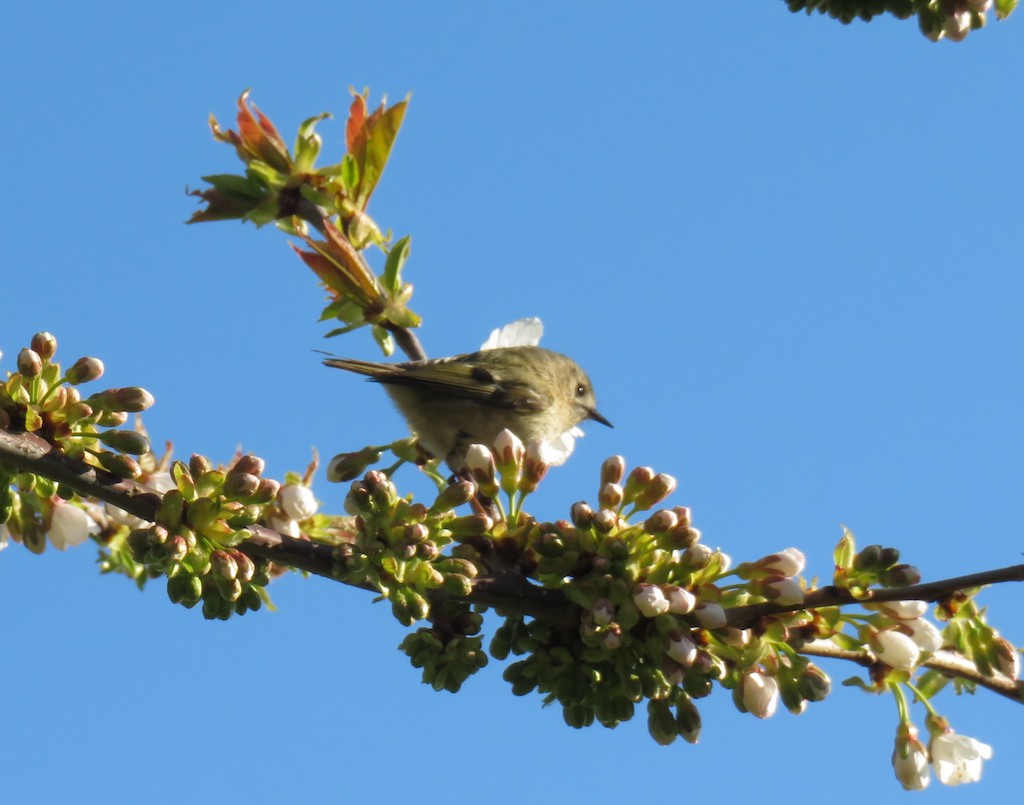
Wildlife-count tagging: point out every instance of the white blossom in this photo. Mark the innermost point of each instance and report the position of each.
(958, 759)
(519, 333)
(298, 501)
(760, 694)
(69, 525)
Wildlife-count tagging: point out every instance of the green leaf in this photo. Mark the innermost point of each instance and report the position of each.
(307, 143)
(383, 338)
(392, 276)
(845, 550)
(33, 421)
(349, 171)
(378, 149)
(1004, 8)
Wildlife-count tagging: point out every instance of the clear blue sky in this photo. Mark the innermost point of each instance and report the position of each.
(788, 253)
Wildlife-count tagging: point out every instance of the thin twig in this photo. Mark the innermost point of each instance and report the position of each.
(945, 662)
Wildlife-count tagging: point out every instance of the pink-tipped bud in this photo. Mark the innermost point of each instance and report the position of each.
(612, 470)
(83, 370)
(45, 345)
(480, 463)
(29, 362)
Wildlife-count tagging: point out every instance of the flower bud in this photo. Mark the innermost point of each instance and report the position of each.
(710, 615)
(680, 601)
(83, 370)
(783, 591)
(224, 565)
(612, 470)
(659, 488)
(582, 515)
(650, 600)
(661, 522)
(536, 462)
(125, 441)
(44, 345)
(900, 576)
(789, 562)
(509, 452)
(1007, 657)
(119, 464)
(895, 649)
(637, 480)
(454, 495)
(298, 501)
(610, 496)
(480, 463)
(697, 556)
(29, 362)
(470, 525)
(688, 720)
(900, 610)
(267, 491)
(814, 684)
(250, 464)
(910, 759)
(605, 520)
(760, 694)
(681, 648)
(109, 419)
(131, 399)
(241, 485)
(603, 612)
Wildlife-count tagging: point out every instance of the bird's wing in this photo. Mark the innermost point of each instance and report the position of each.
(468, 381)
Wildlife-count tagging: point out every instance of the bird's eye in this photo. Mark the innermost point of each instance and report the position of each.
(581, 390)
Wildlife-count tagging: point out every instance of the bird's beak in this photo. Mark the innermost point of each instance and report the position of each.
(596, 416)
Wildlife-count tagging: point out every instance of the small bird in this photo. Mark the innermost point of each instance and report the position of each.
(451, 403)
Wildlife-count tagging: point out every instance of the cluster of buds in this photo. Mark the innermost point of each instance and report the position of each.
(652, 621)
(449, 651)
(397, 546)
(43, 398)
(953, 19)
(938, 19)
(509, 467)
(874, 565)
(199, 524)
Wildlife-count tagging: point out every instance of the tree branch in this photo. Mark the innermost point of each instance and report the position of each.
(506, 591)
(945, 662)
(745, 616)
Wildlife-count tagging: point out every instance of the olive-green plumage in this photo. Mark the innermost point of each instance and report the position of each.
(451, 403)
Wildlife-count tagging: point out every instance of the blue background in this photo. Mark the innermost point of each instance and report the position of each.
(787, 252)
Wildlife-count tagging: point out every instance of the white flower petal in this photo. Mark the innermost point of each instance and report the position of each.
(519, 333)
(69, 526)
(957, 758)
